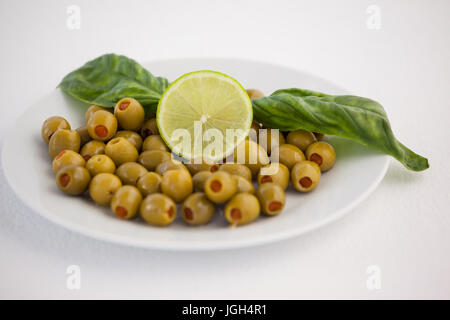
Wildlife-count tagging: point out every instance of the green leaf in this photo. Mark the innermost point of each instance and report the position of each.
(356, 118)
(109, 78)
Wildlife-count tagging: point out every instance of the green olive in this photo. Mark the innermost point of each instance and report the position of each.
(243, 208)
(252, 155)
(254, 93)
(170, 164)
(150, 127)
(91, 110)
(177, 184)
(130, 114)
(197, 209)
(126, 202)
(67, 158)
(149, 183)
(199, 180)
(103, 187)
(84, 135)
(323, 154)
(63, 139)
(271, 197)
(92, 148)
(154, 142)
(197, 165)
(243, 185)
(120, 150)
(305, 176)
(237, 169)
(102, 125)
(130, 173)
(100, 163)
(265, 139)
(275, 172)
(151, 159)
(220, 187)
(131, 136)
(158, 209)
(301, 139)
(51, 125)
(73, 180)
(288, 155)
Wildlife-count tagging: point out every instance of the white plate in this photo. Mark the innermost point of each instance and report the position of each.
(27, 167)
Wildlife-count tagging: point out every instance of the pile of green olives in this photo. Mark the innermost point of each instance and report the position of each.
(121, 161)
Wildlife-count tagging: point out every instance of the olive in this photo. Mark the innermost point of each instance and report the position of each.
(151, 159)
(92, 148)
(197, 166)
(130, 173)
(67, 158)
(51, 125)
(102, 125)
(63, 139)
(126, 202)
(73, 180)
(170, 164)
(305, 176)
(197, 209)
(130, 114)
(243, 208)
(237, 169)
(120, 150)
(150, 127)
(252, 155)
(149, 183)
(103, 187)
(91, 110)
(199, 180)
(220, 187)
(323, 154)
(243, 185)
(254, 93)
(265, 139)
(288, 155)
(301, 139)
(158, 209)
(177, 184)
(100, 163)
(319, 136)
(271, 197)
(154, 142)
(131, 136)
(84, 135)
(275, 172)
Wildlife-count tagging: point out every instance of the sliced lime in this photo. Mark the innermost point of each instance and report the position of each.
(204, 115)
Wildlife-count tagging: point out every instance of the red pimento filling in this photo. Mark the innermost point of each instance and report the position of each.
(101, 131)
(305, 182)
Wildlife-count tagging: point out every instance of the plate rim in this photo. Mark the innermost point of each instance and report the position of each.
(192, 245)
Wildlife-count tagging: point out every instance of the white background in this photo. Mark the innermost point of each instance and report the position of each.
(403, 227)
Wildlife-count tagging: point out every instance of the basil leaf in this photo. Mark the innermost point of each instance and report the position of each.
(109, 78)
(356, 118)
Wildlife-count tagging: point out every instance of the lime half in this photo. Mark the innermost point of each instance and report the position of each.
(204, 115)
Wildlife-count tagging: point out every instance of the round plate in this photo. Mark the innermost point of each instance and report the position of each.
(27, 167)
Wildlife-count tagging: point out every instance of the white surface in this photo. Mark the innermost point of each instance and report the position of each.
(355, 175)
(403, 227)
